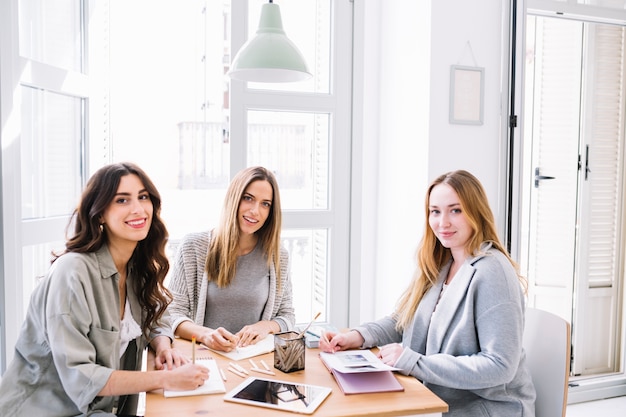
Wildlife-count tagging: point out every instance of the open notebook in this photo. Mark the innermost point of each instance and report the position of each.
(260, 348)
(360, 372)
(213, 385)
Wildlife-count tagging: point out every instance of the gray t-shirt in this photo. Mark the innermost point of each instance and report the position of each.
(243, 301)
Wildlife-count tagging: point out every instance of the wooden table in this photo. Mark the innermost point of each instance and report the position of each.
(415, 399)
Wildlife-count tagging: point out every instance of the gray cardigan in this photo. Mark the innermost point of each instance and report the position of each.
(189, 285)
(469, 351)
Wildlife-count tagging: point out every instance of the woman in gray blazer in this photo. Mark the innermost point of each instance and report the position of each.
(458, 327)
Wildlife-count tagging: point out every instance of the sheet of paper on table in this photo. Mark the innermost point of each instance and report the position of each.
(260, 348)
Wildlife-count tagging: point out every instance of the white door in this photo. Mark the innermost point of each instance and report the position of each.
(574, 134)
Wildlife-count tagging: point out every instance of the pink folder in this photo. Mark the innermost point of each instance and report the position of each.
(367, 382)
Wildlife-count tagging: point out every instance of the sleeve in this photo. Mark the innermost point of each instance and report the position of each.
(284, 313)
(164, 328)
(84, 343)
(182, 281)
(380, 332)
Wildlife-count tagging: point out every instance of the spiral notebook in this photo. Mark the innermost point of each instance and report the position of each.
(213, 385)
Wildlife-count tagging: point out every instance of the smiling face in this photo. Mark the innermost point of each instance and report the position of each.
(448, 221)
(128, 217)
(255, 206)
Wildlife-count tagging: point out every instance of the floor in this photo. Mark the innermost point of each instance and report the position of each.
(611, 407)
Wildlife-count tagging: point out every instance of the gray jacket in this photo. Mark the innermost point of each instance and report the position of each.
(189, 285)
(69, 343)
(469, 351)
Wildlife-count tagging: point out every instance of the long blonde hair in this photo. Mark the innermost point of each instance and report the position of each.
(432, 255)
(221, 261)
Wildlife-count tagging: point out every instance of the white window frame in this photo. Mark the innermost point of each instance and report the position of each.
(16, 72)
(338, 104)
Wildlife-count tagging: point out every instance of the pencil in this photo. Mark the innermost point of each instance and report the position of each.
(193, 349)
(236, 372)
(263, 371)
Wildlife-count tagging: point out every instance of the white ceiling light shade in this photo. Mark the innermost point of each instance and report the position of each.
(270, 56)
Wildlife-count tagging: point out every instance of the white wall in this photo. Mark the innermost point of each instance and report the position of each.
(409, 87)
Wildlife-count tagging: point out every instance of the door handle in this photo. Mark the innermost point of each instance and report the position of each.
(539, 177)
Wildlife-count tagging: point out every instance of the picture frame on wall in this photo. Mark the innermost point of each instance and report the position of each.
(466, 95)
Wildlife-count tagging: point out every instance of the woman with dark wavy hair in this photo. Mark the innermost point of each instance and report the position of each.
(101, 302)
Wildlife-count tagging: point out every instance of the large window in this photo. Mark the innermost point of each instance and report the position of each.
(44, 83)
(93, 82)
(174, 111)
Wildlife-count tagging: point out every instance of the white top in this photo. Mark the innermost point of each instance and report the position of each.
(129, 329)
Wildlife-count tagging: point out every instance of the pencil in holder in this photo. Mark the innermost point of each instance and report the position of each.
(289, 351)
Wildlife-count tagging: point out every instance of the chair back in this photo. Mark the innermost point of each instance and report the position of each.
(547, 345)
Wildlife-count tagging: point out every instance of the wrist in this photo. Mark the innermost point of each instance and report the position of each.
(206, 338)
(161, 342)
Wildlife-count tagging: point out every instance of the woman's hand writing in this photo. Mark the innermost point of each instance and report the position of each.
(220, 339)
(253, 333)
(187, 377)
(333, 342)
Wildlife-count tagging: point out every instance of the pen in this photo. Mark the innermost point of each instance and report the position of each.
(308, 325)
(223, 374)
(193, 349)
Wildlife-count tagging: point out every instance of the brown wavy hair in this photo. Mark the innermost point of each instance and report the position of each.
(432, 255)
(221, 261)
(149, 261)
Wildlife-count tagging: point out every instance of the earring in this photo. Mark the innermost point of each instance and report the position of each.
(101, 227)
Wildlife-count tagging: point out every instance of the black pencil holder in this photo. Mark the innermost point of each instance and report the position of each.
(289, 352)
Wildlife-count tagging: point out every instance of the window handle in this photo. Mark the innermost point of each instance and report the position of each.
(539, 177)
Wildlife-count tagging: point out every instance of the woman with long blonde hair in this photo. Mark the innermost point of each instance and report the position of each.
(459, 325)
(231, 285)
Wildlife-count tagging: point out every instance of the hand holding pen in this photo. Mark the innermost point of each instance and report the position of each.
(221, 339)
(333, 342)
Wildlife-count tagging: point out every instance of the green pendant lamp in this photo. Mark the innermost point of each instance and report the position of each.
(269, 57)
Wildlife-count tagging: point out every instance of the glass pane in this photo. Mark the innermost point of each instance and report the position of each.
(605, 4)
(35, 263)
(51, 153)
(307, 24)
(169, 103)
(50, 32)
(295, 146)
(308, 254)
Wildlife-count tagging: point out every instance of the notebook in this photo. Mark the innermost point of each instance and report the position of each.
(260, 348)
(360, 372)
(213, 385)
